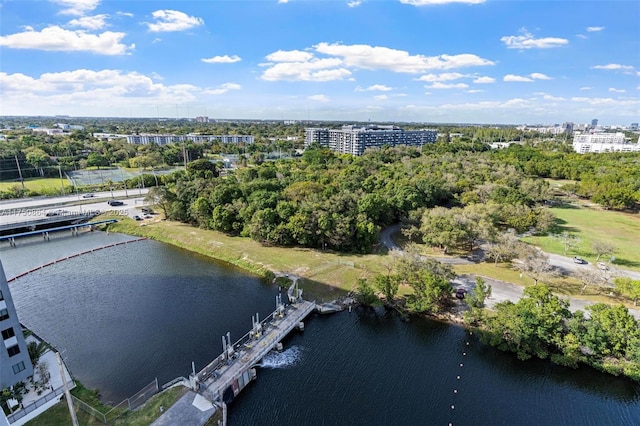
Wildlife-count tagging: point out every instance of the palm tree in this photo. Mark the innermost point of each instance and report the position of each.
(36, 350)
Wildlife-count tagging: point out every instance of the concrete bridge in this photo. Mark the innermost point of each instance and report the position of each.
(222, 379)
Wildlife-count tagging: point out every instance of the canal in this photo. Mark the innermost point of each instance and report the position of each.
(130, 313)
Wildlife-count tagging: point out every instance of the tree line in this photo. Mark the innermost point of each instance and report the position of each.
(540, 325)
(340, 202)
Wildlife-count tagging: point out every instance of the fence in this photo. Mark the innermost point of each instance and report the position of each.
(122, 408)
(36, 404)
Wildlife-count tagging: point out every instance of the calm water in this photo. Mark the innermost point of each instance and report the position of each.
(128, 314)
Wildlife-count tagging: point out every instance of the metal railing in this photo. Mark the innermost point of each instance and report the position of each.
(123, 407)
(37, 404)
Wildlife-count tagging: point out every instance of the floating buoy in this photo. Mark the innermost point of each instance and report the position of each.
(461, 365)
(458, 377)
(453, 407)
(464, 354)
(455, 391)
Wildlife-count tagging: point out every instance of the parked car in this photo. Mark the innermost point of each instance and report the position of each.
(579, 260)
(88, 195)
(603, 266)
(136, 217)
(115, 203)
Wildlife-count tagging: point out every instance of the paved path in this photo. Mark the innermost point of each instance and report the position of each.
(500, 290)
(192, 409)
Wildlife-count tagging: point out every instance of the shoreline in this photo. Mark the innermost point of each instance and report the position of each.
(454, 316)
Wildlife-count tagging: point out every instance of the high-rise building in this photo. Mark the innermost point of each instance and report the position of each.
(356, 139)
(594, 122)
(15, 364)
(567, 128)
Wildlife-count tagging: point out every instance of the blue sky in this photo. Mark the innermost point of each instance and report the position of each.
(511, 62)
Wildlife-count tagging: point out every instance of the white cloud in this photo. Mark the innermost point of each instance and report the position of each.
(77, 7)
(436, 2)
(614, 67)
(474, 91)
(298, 65)
(355, 3)
(88, 90)
(305, 71)
(172, 20)
(58, 39)
(95, 22)
(582, 36)
(484, 80)
(594, 29)
(381, 97)
(516, 78)
(447, 76)
(127, 14)
(376, 57)
(525, 79)
(289, 56)
(375, 87)
(226, 59)
(607, 101)
(586, 88)
(438, 85)
(283, 1)
(613, 89)
(318, 98)
(527, 41)
(548, 97)
(539, 76)
(223, 88)
(330, 75)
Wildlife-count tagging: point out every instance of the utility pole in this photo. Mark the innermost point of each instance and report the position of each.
(19, 171)
(61, 181)
(67, 394)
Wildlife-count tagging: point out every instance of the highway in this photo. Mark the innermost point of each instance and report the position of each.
(24, 210)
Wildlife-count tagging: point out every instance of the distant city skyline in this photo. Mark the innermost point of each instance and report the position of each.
(437, 61)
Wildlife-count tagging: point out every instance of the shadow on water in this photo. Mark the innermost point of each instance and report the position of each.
(584, 378)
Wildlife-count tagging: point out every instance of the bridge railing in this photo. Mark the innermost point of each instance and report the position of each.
(244, 342)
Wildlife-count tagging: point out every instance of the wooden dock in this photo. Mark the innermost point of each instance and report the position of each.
(229, 373)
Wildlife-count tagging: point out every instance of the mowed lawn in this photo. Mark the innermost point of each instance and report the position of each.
(36, 184)
(594, 224)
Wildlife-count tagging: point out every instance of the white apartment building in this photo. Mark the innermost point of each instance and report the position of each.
(356, 139)
(603, 142)
(145, 139)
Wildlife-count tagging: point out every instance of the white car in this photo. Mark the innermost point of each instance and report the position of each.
(88, 195)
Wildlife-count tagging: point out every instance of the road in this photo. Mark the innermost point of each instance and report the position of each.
(25, 210)
(566, 264)
(502, 291)
(41, 202)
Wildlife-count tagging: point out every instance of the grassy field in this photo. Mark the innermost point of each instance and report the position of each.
(59, 414)
(325, 275)
(594, 224)
(36, 184)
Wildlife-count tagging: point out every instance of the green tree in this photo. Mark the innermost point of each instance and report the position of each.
(480, 293)
(628, 288)
(202, 168)
(602, 248)
(388, 286)
(365, 294)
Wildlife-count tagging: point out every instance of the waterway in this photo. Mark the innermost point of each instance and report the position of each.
(128, 314)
